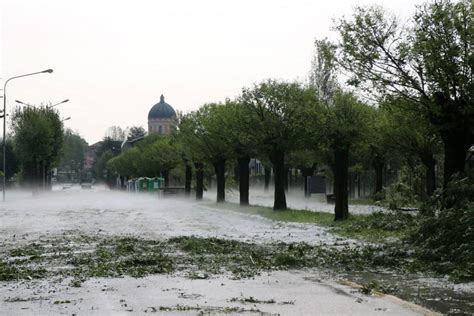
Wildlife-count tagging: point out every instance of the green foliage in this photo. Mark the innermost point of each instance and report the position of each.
(123, 256)
(11, 272)
(282, 112)
(428, 65)
(73, 152)
(377, 226)
(374, 287)
(289, 215)
(282, 124)
(109, 144)
(151, 157)
(400, 195)
(323, 78)
(444, 237)
(13, 163)
(38, 140)
(100, 166)
(346, 122)
(124, 164)
(237, 124)
(406, 192)
(408, 132)
(209, 125)
(304, 158)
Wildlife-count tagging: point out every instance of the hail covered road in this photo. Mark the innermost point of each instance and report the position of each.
(25, 218)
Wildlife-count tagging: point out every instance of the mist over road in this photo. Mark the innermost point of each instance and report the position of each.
(25, 219)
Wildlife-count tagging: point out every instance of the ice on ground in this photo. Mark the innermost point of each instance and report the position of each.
(293, 293)
(152, 217)
(294, 200)
(24, 218)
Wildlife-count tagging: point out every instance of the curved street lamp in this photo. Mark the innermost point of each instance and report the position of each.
(20, 102)
(48, 106)
(63, 101)
(5, 120)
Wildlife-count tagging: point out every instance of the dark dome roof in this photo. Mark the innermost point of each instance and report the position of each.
(161, 110)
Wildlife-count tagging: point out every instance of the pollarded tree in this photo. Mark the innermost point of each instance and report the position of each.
(305, 160)
(281, 126)
(344, 128)
(211, 125)
(428, 64)
(237, 125)
(192, 148)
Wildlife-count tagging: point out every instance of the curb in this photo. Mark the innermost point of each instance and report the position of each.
(412, 306)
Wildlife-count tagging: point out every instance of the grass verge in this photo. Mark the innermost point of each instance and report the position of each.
(376, 227)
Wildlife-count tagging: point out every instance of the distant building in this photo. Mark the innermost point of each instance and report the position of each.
(161, 118)
(91, 155)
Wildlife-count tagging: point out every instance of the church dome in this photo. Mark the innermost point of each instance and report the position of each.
(161, 110)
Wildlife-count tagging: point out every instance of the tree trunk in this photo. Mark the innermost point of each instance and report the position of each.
(307, 172)
(38, 176)
(236, 173)
(341, 170)
(219, 167)
(199, 180)
(268, 172)
(428, 160)
(43, 176)
(378, 166)
(290, 179)
(244, 178)
(166, 176)
(358, 185)
(188, 179)
(209, 182)
(286, 179)
(280, 173)
(456, 145)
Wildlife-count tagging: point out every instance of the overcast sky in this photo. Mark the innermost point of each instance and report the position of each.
(113, 59)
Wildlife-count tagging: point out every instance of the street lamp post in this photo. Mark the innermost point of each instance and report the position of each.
(5, 121)
(51, 106)
(48, 106)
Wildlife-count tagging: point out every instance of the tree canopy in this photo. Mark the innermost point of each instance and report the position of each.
(428, 63)
(33, 126)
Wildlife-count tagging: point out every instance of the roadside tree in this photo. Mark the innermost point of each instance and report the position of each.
(428, 64)
(281, 124)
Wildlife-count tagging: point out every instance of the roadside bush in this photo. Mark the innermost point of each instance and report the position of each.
(400, 195)
(444, 238)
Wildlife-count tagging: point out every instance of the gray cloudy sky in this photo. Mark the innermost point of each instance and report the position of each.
(113, 59)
